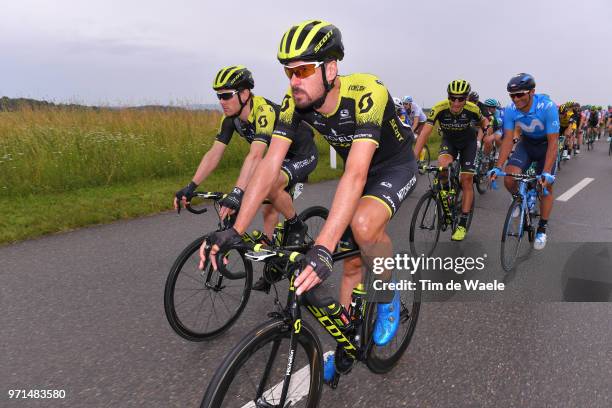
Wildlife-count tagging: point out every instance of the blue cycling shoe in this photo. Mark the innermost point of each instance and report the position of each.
(387, 321)
(329, 368)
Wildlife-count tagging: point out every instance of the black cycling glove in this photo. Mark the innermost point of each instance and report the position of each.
(233, 199)
(225, 240)
(186, 192)
(321, 261)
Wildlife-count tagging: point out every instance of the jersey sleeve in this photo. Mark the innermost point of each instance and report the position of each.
(288, 119)
(432, 117)
(370, 111)
(552, 119)
(226, 130)
(264, 124)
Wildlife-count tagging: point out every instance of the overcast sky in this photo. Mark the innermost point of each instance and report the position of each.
(151, 51)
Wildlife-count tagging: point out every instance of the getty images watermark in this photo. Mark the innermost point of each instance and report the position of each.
(406, 263)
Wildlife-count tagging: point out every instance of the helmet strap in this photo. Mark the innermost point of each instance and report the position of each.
(243, 104)
(326, 88)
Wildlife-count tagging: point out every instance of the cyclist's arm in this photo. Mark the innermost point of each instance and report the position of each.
(209, 162)
(348, 193)
(261, 182)
(422, 138)
(251, 161)
(506, 147)
(551, 151)
(415, 122)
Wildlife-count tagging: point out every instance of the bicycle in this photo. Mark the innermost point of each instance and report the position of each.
(520, 218)
(483, 163)
(202, 304)
(437, 210)
(590, 139)
(260, 371)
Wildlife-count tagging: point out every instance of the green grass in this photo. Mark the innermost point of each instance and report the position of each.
(62, 169)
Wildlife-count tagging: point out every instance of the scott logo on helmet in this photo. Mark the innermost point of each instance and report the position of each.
(323, 41)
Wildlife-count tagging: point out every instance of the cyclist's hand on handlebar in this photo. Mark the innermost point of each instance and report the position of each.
(184, 195)
(225, 212)
(319, 266)
(219, 241)
(547, 179)
(494, 173)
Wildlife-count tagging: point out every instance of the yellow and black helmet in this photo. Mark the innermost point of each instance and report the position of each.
(312, 40)
(235, 77)
(459, 87)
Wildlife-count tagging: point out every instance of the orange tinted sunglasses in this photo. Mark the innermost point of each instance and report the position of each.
(303, 70)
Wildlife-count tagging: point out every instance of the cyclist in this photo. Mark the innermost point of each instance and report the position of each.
(566, 122)
(538, 119)
(457, 119)
(495, 132)
(253, 118)
(593, 123)
(416, 117)
(356, 115)
(401, 112)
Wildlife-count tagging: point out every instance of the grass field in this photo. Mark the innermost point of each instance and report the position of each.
(61, 169)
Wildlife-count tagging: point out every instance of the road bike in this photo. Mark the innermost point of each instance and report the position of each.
(202, 304)
(521, 218)
(439, 209)
(280, 362)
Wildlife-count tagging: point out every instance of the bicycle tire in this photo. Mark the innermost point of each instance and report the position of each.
(409, 314)
(426, 198)
(181, 265)
(218, 389)
(308, 216)
(508, 265)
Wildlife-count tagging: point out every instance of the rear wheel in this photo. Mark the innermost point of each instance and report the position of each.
(202, 304)
(315, 218)
(383, 359)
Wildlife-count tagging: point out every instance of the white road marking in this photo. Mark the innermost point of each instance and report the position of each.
(298, 388)
(574, 190)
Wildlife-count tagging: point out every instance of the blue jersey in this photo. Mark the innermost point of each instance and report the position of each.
(403, 116)
(541, 120)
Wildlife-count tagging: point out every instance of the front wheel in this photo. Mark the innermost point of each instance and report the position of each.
(425, 225)
(315, 218)
(202, 304)
(512, 235)
(254, 373)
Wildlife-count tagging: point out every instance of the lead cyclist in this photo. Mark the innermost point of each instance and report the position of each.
(356, 115)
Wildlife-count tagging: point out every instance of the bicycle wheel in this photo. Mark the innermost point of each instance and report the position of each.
(425, 225)
(314, 217)
(382, 359)
(253, 373)
(512, 235)
(202, 304)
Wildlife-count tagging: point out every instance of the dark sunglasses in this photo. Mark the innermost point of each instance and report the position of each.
(457, 98)
(226, 96)
(303, 70)
(517, 95)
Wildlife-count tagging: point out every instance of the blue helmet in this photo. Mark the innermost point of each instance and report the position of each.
(521, 82)
(492, 103)
(407, 99)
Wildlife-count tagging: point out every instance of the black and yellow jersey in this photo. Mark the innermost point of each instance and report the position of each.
(259, 126)
(365, 113)
(455, 126)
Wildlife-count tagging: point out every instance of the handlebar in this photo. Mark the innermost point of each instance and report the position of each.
(209, 195)
(257, 253)
(521, 177)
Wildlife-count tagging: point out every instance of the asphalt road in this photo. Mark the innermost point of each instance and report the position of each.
(83, 312)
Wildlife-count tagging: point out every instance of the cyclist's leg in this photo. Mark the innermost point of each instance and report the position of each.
(270, 219)
(446, 155)
(467, 156)
(518, 162)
